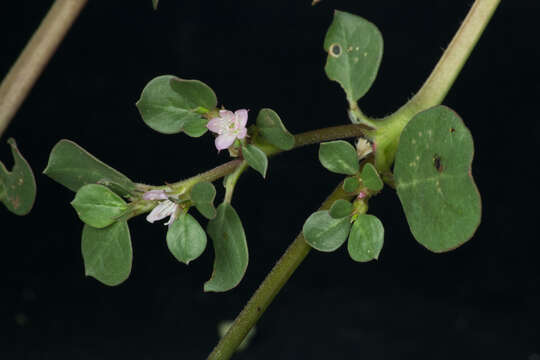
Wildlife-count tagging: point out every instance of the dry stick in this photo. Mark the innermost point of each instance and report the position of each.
(37, 53)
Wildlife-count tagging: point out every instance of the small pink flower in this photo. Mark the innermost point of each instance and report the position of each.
(229, 126)
(361, 195)
(163, 209)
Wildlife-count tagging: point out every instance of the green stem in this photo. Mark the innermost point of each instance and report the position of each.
(331, 133)
(269, 288)
(35, 56)
(439, 82)
(303, 139)
(230, 184)
(432, 93)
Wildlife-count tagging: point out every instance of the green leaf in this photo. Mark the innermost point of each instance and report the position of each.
(273, 130)
(196, 127)
(98, 206)
(107, 253)
(231, 252)
(155, 4)
(186, 239)
(72, 166)
(355, 48)
(366, 238)
(18, 186)
(325, 233)
(168, 103)
(350, 184)
(339, 156)
(340, 209)
(203, 195)
(255, 158)
(370, 178)
(434, 182)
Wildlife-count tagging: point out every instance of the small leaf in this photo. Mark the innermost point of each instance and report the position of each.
(325, 233)
(196, 127)
(434, 182)
(18, 186)
(72, 166)
(370, 178)
(168, 103)
(366, 238)
(203, 195)
(255, 158)
(107, 253)
(273, 130)
(231, 252)
(355, 48)
(155, 4)
(340, 209)
(98, 206)
(186, 239)
(339, 157)
(350, 184)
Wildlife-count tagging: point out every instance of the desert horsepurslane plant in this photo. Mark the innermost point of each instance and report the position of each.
(423, 151)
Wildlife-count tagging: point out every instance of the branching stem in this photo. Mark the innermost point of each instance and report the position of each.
(432, 93)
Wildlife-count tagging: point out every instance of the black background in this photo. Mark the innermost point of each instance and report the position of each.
(479, 301)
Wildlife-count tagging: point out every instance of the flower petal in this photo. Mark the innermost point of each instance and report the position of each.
(224, 141)
(216, 125)
(161, 211)
(241, 117)
(242, 133)
(155, 195)
(226, 115)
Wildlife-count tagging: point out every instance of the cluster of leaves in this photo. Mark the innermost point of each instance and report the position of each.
(106, 199)
(432, 175)
(432, 171)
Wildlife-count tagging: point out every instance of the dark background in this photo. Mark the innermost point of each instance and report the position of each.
(479, 301)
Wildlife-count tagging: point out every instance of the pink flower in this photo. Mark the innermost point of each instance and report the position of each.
(163, 209)
(229, 126)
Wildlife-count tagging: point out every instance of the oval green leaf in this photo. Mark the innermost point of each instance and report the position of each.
(230, 247)
(18, 186)
(340, 209)
(370, 177)
(186, 239)
(107, 253)
(196, 127)
(98, 206)
(324, 233)
(72, 166)
(255, 158)
(350, 184)
(339, 156)
(168, 103)
(366, 238)
(355, 48)
(434, 181)
(203, 195)
(273, 130)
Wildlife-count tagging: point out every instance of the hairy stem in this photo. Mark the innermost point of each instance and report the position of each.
(35, 56)
(439, 82)
(303, 139)
(269, 288)
(331, 133)
(432, 93)
(450, 64)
